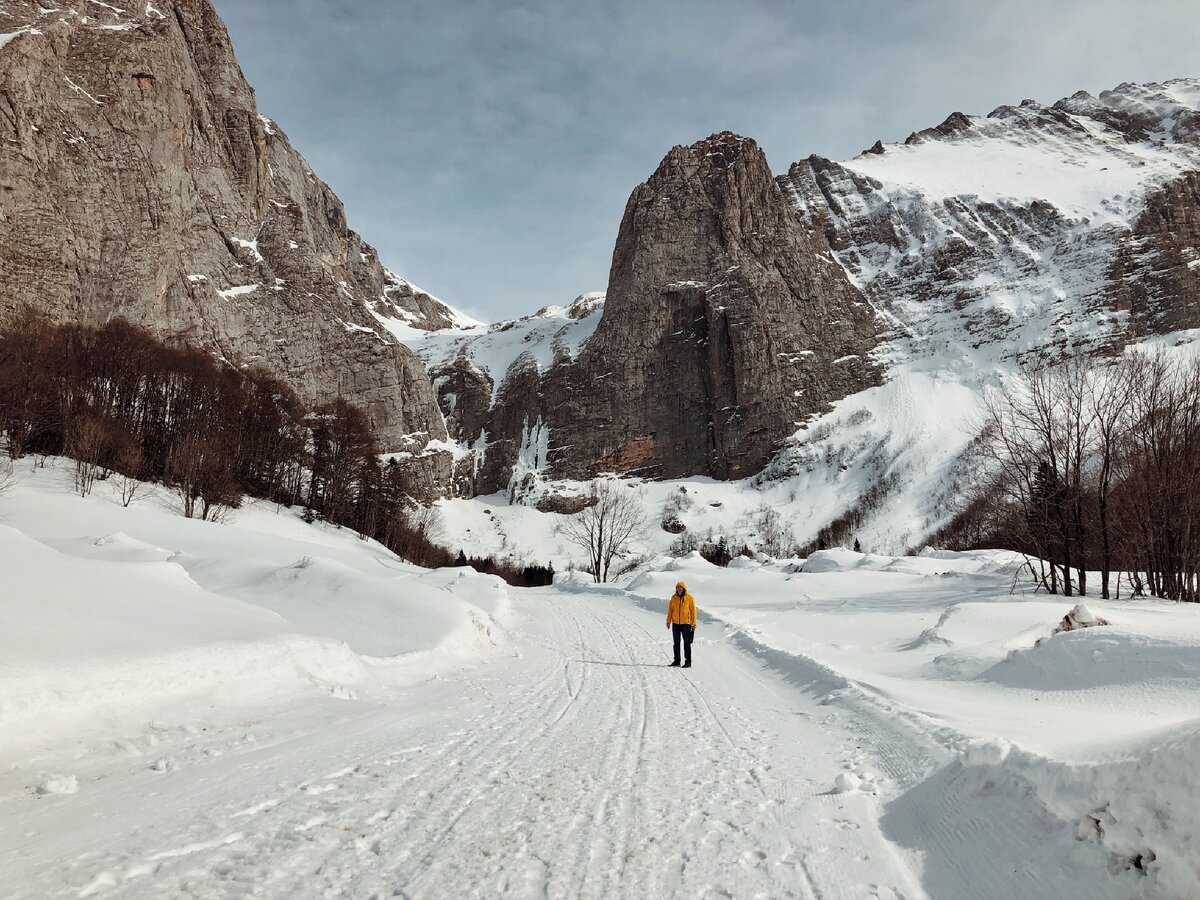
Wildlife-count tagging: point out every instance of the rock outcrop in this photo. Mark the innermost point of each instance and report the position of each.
(1027, 231)
(138, 179)
(1156, 275)
(726, 325)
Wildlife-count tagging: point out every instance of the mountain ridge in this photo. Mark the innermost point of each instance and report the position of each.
(752, 322)
(1068, 227)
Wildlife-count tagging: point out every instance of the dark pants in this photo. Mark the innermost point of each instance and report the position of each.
(685, 632)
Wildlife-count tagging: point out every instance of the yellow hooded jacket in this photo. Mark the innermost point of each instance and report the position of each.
(681, 610)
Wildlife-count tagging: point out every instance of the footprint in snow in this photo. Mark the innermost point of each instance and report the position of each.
(256, 809)
(311, 823)
(316, 789)
(101, 882)
(57, 785)
(753, 858)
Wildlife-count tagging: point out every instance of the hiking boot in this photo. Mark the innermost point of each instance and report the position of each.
(675, 663)
(688, 664)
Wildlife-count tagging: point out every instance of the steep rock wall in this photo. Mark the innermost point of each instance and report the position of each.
(138, 179)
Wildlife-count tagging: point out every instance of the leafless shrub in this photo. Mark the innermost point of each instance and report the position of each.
(87, 443)
(202, 479)
(130, 464)
(6, 473)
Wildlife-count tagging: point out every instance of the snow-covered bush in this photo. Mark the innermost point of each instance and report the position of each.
(676, 504)
(672, 524)
(774, 537)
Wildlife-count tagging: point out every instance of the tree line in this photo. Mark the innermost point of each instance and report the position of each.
(1093, 466)
(125, 405)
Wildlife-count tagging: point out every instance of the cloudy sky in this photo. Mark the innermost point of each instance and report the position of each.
(487, 148)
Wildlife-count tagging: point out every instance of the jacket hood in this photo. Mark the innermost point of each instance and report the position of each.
(681, 585)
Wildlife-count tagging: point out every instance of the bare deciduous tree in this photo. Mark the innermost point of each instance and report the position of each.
(1095, 465)
(200, 472)
(774, 537)
(130, 463)
(1109, 400)
(605, 529)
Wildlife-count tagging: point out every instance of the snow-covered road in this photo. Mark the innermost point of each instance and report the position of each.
(579, 765)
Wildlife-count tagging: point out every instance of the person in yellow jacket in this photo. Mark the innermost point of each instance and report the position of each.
(681, 620)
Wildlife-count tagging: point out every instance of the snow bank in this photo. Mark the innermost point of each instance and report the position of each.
(113, 617)
(1122, 825)
(1070, 755)
(953, 640)
(1098, 657)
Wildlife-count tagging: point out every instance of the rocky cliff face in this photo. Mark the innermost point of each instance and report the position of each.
(727, 324)
(137, 178)
(1156, 275)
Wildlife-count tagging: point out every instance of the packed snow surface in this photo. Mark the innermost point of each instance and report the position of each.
(273, 708)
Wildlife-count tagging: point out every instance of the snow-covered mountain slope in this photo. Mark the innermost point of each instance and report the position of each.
(998, 234)
(984, 241)
(408, 310)
(551, 334)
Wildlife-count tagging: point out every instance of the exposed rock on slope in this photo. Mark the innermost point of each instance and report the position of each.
(1156, 275)
(138, 179)
(488, 379)
(989, 237)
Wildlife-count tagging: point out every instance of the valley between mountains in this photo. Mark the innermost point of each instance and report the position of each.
(293, 599)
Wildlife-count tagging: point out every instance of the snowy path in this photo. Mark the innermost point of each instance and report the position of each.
(581, 766)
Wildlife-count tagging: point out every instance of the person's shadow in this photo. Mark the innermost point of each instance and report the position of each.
(602, 662)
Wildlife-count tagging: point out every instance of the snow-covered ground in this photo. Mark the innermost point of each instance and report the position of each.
(112, 617)
(279, 709)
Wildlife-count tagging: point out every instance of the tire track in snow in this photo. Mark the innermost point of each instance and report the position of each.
(822, 873)
(592, 774)
(701, 710)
